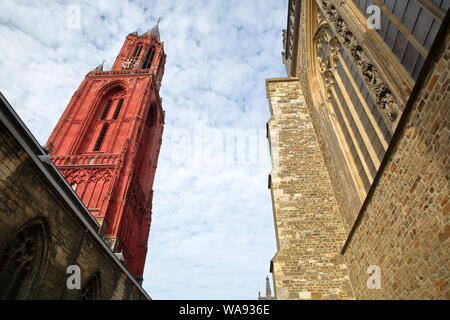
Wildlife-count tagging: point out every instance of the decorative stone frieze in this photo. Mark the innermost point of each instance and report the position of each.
(384, 97)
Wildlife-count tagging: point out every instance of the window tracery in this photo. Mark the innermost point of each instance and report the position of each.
(21, 262)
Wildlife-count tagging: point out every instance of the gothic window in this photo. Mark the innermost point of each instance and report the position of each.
(363, 129)
(21, 262)
(118, 108)
(91, 290)
(148, 58)
(106, 110)
(101, 137)
(408, 27)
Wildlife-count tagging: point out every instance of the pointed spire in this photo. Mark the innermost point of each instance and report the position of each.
(154, 32)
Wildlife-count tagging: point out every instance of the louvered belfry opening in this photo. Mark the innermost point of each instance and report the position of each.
(148, 58)
(101, 137)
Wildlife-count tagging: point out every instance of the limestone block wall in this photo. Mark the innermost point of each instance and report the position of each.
(308, 264)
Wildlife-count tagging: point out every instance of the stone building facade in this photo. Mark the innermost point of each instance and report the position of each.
(45, 228)
(359, 136)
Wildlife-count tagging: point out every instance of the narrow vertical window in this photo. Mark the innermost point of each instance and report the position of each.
(148, 58)
(137, 51)
(101, 137)
(106, 110)
(118, 108)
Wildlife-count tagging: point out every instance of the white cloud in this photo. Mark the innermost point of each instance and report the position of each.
(212, 231)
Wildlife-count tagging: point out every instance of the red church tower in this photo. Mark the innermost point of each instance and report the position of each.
(107, 144)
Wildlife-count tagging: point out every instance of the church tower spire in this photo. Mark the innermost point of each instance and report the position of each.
(268, 291)
(107, 144)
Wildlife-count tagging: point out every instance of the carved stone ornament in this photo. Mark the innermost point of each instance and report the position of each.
(75, 175)
(118, 96)
(328, 79)
(335, 46)
(87, 175)
(384, 96)
(323, 52)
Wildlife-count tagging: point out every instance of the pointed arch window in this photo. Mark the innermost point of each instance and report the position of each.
(101, 137)
(21, 262)
(148, 58)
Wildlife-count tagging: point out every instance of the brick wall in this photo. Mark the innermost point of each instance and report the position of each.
(309, 230)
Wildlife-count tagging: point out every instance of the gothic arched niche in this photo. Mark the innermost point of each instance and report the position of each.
(22, 261)
(91, 290)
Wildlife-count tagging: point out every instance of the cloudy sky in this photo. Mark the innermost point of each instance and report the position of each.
(212, 233)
